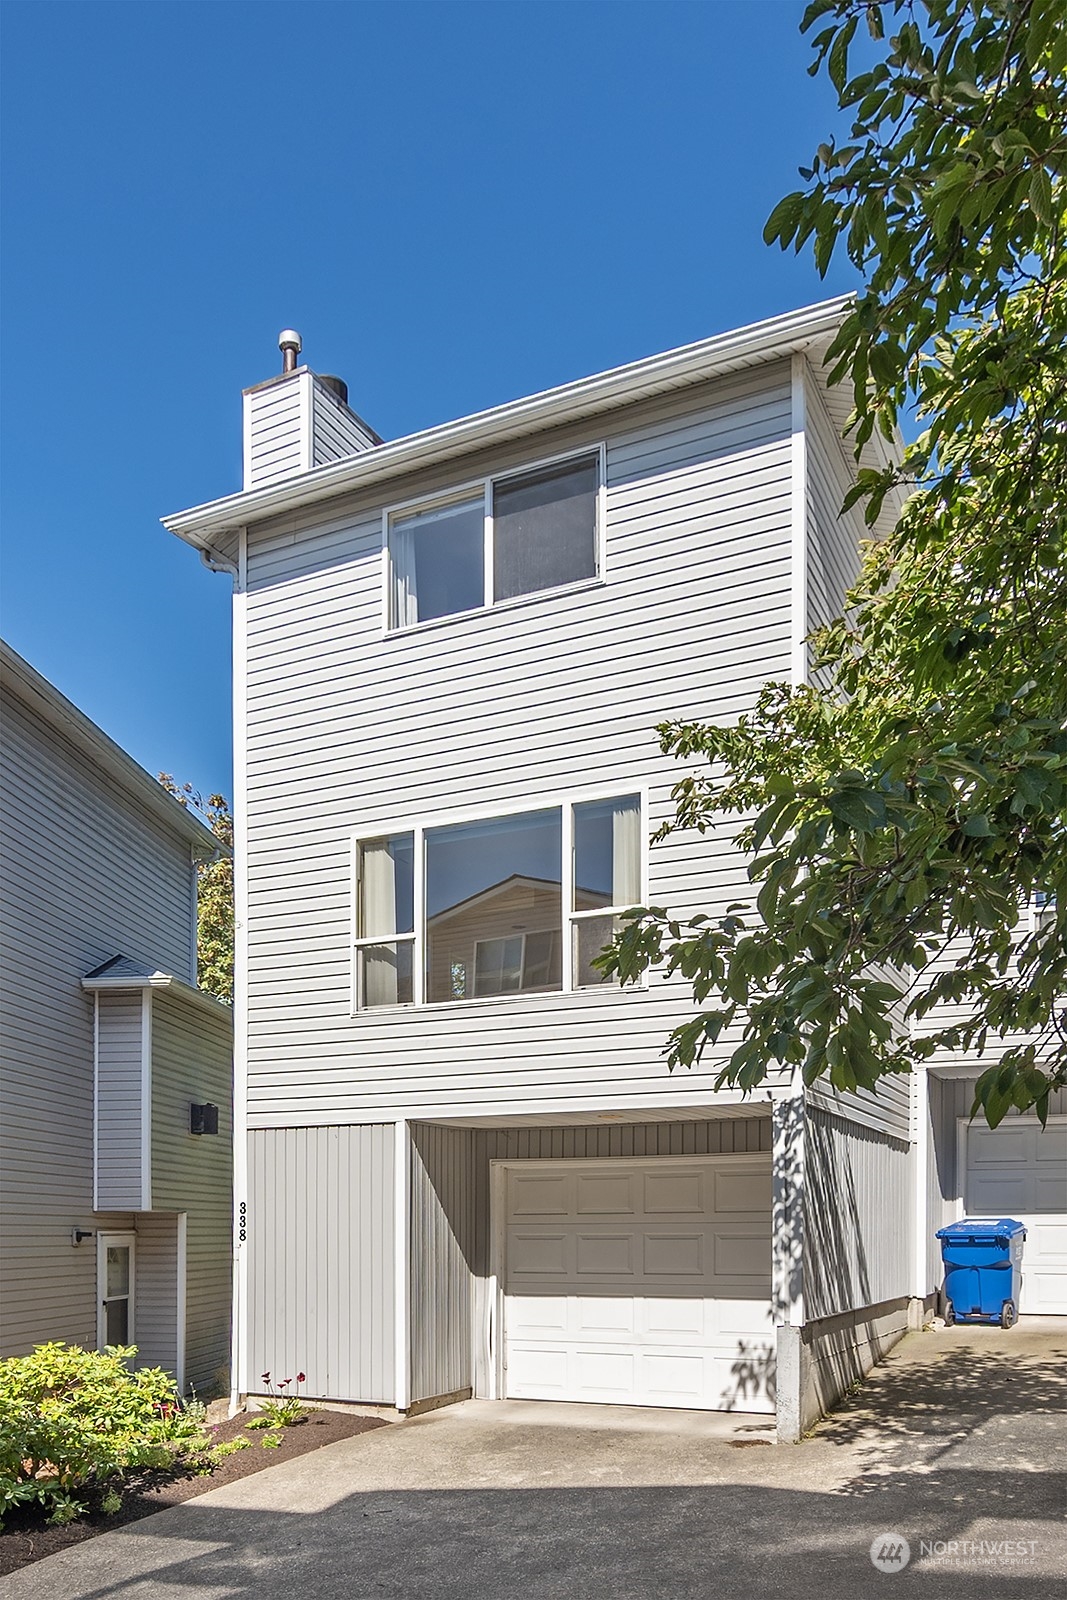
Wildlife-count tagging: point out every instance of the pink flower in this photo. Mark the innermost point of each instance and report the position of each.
(265, 1376)
(300, 1377)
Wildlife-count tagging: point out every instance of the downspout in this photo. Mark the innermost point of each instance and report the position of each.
(220, 563)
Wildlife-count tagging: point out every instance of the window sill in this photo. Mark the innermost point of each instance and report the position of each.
(614, 993)
(541, 595)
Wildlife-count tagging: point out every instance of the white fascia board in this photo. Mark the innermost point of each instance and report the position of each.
(45, 700)
(160, 980)
(757, 344)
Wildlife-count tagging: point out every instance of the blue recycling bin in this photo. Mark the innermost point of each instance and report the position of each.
(983, 1259)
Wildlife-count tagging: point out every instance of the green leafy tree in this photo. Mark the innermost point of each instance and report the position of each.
(214, 891)
(912, 800)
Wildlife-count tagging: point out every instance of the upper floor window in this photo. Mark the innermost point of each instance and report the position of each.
(518, 904)
(506, 537)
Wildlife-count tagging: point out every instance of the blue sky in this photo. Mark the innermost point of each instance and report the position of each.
(455, 204)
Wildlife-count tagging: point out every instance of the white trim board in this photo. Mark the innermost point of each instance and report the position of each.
(146, 1100)
(239, 1319)
(181, 1297)
(121, 1237)
(402, 1262)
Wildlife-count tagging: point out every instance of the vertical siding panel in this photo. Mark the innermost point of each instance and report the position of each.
(442, 1179)
(321, 1235)
(858, 1215)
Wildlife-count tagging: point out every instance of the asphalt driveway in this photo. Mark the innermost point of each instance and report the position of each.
(955, 1446)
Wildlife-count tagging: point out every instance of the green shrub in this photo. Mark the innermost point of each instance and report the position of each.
(230, 1447)
(271, 1441)
(73, 1420)
(278, 1413)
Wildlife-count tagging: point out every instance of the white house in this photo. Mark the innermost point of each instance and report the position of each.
(462, 1165)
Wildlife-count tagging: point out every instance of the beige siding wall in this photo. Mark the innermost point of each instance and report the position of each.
(348, 729)
(192, 1061)
(86, 874)
(121, 1181)
(156, 1308)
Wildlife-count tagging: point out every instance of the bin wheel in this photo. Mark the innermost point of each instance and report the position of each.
(1008, 1314)
(950, 1314)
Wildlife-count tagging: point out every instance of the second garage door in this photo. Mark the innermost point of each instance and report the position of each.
(640, 1282)
(1020, 1170)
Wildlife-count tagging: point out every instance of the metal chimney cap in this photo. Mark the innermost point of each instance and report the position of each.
(289, 339)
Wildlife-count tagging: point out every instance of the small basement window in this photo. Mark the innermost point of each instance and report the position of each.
(521, 534)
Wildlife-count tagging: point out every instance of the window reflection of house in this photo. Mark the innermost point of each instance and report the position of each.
(506, 939)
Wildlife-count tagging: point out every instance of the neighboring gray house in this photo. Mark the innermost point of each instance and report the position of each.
(115, 1219)
(462, 1166)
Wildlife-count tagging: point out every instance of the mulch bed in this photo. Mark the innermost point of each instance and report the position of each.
(26, 1537)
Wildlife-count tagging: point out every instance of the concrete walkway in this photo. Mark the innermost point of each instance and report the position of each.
(955, 1445)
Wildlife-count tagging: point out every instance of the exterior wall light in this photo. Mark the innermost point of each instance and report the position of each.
(203, 1119)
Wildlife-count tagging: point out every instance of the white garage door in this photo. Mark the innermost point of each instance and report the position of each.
(640, 1282)
(1019, 1170)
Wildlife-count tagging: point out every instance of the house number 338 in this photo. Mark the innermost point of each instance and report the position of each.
(242, 1222)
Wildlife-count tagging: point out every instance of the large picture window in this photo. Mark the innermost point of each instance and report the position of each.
(511, 905)
(498, 540)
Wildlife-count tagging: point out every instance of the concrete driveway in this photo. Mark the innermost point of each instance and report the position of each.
(955, 1445)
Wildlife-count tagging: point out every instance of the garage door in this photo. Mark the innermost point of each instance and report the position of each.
(1020, 1170)
(640, 1282)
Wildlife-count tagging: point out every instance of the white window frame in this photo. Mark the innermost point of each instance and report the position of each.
(375, 941)
(103, 1242)
(419, 829)
(484, 486)
(572, 916)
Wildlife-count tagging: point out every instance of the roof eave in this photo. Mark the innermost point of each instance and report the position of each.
(123, 983)
(60, 713)
(759, 343)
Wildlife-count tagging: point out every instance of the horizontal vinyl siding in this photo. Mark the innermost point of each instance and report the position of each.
(156, 1292)
(121, 1180)
(321, 1259)
(335, 431)
(275, 432)
(889, 1110)
(86, 874)
(833, 538)
(192, 1062)
(348, 729)
(858, 1201)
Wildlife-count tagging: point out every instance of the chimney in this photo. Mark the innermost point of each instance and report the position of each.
(298, 420)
